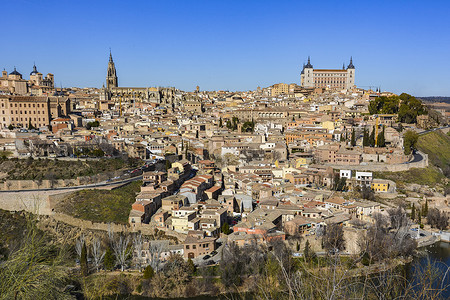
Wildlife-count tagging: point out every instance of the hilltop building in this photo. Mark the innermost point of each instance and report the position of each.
(328, 78)
(14, 83)
(133, 95)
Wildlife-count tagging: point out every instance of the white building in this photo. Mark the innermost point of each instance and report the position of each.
(328, 78)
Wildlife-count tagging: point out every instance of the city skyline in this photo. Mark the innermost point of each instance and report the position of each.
(231, 47)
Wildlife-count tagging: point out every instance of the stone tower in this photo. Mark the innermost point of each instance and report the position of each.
(351, 74)
(306, 77)
(111, 77)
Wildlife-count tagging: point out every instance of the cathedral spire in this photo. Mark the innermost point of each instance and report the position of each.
(111, 76)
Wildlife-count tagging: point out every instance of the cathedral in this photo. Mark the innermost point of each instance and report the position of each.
(133, 95)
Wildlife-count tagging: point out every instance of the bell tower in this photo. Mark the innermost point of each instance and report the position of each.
(111, 76)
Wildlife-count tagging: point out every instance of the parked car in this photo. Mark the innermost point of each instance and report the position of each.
(206, 257)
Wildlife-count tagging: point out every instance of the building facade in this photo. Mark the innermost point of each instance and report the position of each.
(328, 78)
(14, 83)
(131, 95)
(37, 111)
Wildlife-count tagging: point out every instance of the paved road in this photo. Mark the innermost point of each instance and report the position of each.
(86, 186)
(430, 130)
(417, 157)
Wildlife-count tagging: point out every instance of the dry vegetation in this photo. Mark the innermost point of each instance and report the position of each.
(39, 169)
(101, 205)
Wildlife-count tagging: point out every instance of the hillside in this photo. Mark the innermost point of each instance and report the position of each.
(39, 169)
(101, 205)
(437, 145)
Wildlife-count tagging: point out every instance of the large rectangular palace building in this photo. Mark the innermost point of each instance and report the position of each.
(328, 78)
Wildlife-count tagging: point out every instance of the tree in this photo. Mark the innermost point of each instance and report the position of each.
(148, 272)
(235, 122)
(83, 261)
(220, 122)
(437, 219)
(353, 140)
(372, 138)
(366, 138)
(168, 164)
(121, 250)
(425, 208)
(367, 193)
(10, 127)
(389, 236)
(333, 239)
(229, 126)
(409, 141)
(36, 269)
(110, 260)
(97, 253)
(419, 217)
(413, 212)
(191, 267)
(308, 254)
(226, 228)
(381, 142)
(79, 245)
(30, 126)
(138, 245)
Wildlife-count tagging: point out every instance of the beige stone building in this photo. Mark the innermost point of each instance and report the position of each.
(14, 83)
(328, 78)
(21, 111)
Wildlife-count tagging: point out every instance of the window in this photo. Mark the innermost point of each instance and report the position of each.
(187, 246)
(194, 246)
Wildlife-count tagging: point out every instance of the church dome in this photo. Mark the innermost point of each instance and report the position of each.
(15, 72)
(35, 71)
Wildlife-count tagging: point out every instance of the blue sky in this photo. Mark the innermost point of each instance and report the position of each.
(402, 46)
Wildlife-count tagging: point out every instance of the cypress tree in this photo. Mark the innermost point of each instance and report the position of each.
(83, 261)
(191, 267)
(220, 122)
(109, 260)
(381, 141)
(413, 212)
(372, 138)
(366, 138)
(425, 208)
(353, 141)
(148, 272)
(307, 251)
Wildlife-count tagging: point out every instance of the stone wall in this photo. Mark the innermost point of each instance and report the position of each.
(383, 167)
(18, 185)
(84, 224)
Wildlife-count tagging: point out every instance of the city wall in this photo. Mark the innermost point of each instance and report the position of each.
(383, 167)
(17, 185)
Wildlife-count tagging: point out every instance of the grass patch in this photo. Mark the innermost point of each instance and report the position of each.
(101, 205)
(39, 169)
(437, 145)
(426, 176)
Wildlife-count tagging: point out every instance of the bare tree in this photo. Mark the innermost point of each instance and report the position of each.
(333, 239)
(79, 244)
(155, 248)
(122, 250)
(138, 245)
(437, 219)
(97, 253)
